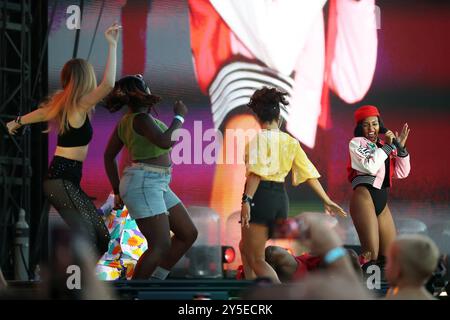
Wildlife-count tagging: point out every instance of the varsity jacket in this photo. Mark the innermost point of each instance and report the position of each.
(367, 162)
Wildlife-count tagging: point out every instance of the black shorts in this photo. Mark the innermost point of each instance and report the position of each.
(66, 169)
(379, 197)
(270, 204)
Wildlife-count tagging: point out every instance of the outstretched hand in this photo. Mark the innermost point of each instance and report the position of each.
(331, 208)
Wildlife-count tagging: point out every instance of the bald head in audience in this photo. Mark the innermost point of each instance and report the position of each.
(411, 261)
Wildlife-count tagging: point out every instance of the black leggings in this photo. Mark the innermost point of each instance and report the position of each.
(62, 188)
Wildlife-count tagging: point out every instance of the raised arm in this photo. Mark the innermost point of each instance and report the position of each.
(147, 127)
(325, 242)
(88, 101)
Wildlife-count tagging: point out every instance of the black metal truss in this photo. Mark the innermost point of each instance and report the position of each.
(20, 49)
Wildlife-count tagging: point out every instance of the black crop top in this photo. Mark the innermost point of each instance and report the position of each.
(76, 137)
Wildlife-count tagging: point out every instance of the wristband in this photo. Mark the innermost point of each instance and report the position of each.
(179, 118)
(334, 255)
(246, 198)
(19, 120)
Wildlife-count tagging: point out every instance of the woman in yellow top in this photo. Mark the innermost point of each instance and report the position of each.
(269, 158)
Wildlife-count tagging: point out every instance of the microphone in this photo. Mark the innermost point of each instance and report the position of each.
(395, 142)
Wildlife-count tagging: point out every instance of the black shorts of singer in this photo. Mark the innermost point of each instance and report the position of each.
(379, 197)
(270, 204)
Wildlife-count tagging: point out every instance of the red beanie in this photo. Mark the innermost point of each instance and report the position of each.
(365, 111)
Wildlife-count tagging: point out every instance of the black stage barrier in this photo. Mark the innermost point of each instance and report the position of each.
(185, 289)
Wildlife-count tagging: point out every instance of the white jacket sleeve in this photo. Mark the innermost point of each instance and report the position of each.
(355, 51)
(402, 166)
(305, 107)
(274, 31)
(366, 159)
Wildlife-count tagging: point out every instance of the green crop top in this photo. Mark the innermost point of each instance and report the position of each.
(138, 146)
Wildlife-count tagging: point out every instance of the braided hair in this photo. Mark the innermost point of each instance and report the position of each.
(265, 103)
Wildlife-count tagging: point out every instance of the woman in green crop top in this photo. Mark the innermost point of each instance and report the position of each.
(144, 185)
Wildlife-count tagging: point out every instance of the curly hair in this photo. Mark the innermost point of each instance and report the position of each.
(130, 91)
(265, 103)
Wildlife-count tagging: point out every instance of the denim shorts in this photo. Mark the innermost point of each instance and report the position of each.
(145, 190)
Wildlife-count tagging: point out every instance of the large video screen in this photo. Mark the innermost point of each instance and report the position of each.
(214, 54)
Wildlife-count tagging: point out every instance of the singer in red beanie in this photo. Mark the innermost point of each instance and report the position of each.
(372, 165)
